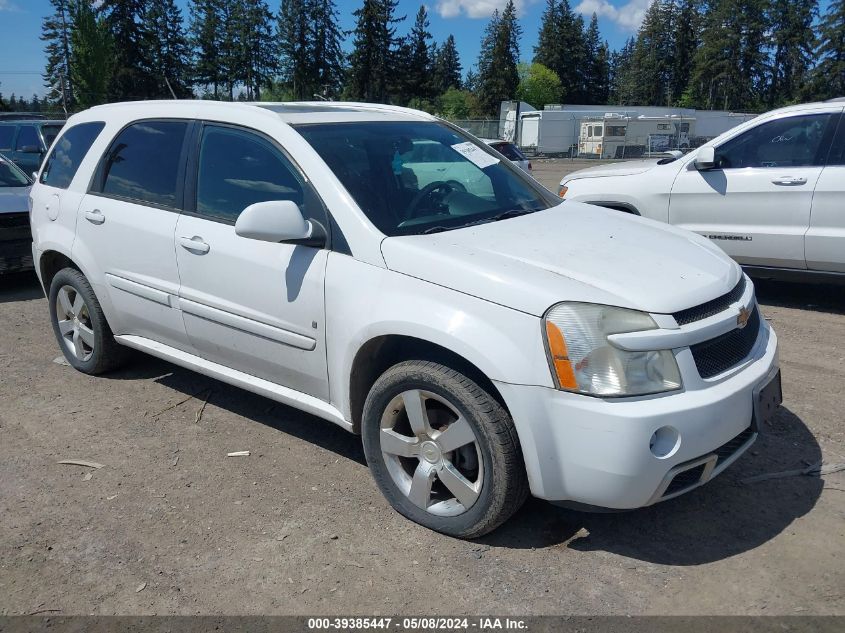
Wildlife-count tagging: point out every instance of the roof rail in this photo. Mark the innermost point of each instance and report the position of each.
(378, 107)
(835, 100)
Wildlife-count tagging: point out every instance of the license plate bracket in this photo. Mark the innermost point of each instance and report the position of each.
(767, 399)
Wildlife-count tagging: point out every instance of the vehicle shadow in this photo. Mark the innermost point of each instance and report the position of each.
(716, 521)
(251, 406)
(19, 287)
(802, 296)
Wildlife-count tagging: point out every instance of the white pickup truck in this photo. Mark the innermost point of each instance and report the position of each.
(769, 192)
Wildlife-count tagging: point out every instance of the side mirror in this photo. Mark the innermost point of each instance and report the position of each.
(30, 149)
(706, 159)
(278, 221)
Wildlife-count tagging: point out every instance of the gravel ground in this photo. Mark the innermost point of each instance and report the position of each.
(171, 525)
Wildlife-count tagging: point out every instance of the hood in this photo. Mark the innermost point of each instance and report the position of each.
(626, 168)
(573, 252)
(14, 199)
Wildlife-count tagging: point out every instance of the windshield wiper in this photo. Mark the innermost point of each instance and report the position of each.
(512, 213)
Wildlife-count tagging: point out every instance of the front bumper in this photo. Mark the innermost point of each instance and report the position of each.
(15, 242)
(596, 452)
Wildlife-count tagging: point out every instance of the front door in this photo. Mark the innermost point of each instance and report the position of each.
(127, 223)
(254, 306)
(756, 203)
(825, 242)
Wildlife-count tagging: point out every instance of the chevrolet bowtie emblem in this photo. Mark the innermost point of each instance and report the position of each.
(742, 317)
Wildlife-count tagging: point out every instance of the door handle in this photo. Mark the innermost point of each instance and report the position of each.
(95, 217)
(788, 181)
(195, 244)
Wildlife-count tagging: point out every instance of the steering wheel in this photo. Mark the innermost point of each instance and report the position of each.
(427, 191)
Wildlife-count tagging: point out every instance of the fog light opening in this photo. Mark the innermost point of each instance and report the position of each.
(665, 442)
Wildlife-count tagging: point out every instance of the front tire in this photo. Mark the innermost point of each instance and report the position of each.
(81, 329)
(442, 450)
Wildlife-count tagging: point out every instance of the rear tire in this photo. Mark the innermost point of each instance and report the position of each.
(442, 450)
(81, 329)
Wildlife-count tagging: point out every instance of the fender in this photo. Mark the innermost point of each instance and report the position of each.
(364, 302)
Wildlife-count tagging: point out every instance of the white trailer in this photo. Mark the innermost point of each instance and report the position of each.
(549, 132)
(618, 136)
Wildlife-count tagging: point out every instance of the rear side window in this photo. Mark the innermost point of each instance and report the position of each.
(509, 151)
(67, 155)
(7, 134)
(238, 168)
(143, 162)
(28, 139)
(50, 132)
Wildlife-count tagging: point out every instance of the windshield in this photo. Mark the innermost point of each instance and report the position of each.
(418, 177)
(11, 176)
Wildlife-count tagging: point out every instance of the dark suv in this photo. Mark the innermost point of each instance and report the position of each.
(25, 142)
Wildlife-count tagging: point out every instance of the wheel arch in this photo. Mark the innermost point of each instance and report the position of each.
(380, 353)
(51, 262)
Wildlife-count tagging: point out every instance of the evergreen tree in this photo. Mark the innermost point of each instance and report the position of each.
(561, 47)
(447, 67)
(792, 38)
(133, 78)
(621, 77)
(686, 41)
(498, 75)
(295, 39)
(55, 31)
(829, 74)
(169, 58)
(597, 71)
(373, 54)
(730, 65)
(418, 79)
(255, 46)
(327, 48)
(92, 56)
(206, 28)
(653, 56)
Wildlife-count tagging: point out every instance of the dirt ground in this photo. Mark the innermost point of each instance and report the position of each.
(171, 525)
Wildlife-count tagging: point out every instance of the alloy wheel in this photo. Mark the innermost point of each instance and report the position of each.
(431, 453)
(74, 321)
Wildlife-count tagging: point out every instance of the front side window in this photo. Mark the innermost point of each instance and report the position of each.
(405, 189)
(7, 135)
(143, 162)
(790, 142)
(28, 139)
(67, 155)
(11, 176)
(239, 168)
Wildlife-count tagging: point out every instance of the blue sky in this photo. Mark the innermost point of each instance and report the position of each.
(22, 56)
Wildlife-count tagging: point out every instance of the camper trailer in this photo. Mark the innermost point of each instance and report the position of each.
(618, 136)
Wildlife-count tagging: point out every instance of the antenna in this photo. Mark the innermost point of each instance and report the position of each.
(173, 94)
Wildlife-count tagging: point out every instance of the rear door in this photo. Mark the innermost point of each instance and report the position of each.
(756, 203)
(127, 222)
(254, 306)
(825, 241)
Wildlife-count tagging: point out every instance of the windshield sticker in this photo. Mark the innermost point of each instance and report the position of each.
(475, 154)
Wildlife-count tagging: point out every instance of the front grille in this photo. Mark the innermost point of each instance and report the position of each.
(727, 450)
(685, 479)
(723, 352)
(14, 220)
(720, 304)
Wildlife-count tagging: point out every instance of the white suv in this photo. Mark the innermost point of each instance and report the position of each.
(769, 192)
(484, 339)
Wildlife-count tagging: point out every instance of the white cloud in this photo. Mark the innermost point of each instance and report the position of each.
(473, 8)
(629, 16)
(8, 5)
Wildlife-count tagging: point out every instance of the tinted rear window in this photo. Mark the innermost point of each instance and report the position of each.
(143, 162)
(509, 151)
(64, 160)
(28, 138)
(50, 132)
(7, 134)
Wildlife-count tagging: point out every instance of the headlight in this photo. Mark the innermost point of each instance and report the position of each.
(582, 359)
